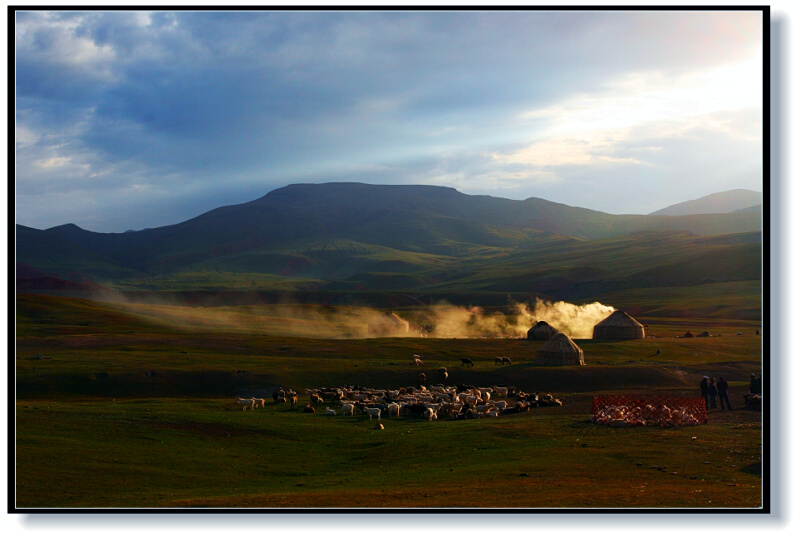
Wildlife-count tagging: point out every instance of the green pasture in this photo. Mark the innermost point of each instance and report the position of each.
(167, 452)
(125, 405)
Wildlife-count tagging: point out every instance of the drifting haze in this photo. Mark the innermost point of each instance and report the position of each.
(132, 119)
(448, 321)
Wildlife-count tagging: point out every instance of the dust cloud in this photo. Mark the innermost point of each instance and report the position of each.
(577, 321)
(341, 322)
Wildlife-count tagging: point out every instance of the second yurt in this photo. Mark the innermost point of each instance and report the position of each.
(560, 350)
(619, 326)
(542, 331)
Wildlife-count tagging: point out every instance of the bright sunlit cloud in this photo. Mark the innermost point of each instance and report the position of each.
(585, 129)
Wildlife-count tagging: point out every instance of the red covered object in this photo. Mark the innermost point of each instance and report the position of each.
(648, 410)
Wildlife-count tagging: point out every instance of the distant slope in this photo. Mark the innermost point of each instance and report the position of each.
(48, 254)
(723, 202)
(381, 237)
(582, 269)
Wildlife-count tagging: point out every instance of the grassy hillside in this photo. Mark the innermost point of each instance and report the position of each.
(63, 258)
(340, 272)
(287, 232)
(137, 403)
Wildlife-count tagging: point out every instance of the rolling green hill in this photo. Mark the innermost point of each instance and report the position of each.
(419, 240)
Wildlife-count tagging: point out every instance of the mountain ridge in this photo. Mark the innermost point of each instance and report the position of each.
(400, 237)
(721, 202)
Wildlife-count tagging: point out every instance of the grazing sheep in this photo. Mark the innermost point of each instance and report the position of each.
(498, 361)
(245, 403)
(450, 408)
(372, 411)
(293, 400)
(393, 409)
(418, 360)
(421, 378)
(333, 396)
(430, 414)
(466, 361)
(416, 409)
(315, 398)
(506, 360)
(500, 392)
(500, 406)
(348, 409)
(257, 402)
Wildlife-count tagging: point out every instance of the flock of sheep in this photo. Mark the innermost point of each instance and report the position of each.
(459, 402)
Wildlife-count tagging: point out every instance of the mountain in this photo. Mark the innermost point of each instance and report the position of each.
(354, 237)
(737, 200)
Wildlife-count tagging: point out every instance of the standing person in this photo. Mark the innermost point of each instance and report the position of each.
(755, 385)
(722, 390)
(704, 390)
(712, 393)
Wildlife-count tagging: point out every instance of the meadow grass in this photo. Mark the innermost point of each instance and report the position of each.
(116, 409)
(182, 453)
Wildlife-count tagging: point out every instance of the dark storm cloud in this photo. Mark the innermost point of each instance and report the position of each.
(165, 105)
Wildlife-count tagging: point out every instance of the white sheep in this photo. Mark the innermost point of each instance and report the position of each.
(372, 411)
(257, 402)
(246, 402)
(430, 414)
(393, 409)
(347, 409)
(330, 412)
(501, 392)
(500, 405)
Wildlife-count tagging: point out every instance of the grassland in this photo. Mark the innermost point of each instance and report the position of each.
(132, 406)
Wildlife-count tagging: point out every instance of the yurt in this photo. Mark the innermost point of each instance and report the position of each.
(559, 351)
(388, 325)
(542, 331)
(619, 326)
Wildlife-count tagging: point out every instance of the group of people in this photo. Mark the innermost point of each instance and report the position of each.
(711, 388)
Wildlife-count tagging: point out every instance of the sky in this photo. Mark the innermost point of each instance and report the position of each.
(126, 120)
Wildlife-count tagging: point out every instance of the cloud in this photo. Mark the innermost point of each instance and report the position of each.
(176, 104)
